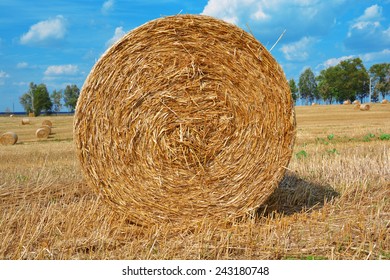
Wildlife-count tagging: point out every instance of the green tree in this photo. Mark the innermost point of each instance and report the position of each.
(37, 99)
(56, 97)
(352, 80)
(26, 102)
(381, 78)
(293, 89)
(308, 86)
(327, 87)
(71, 95)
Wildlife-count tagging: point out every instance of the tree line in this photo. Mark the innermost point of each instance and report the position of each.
(348, 80)
(38, 100)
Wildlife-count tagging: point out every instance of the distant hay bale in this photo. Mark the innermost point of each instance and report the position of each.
(43, 132)
(314, 104)
(356, 102)
(347, 102)
(48, 123)
(31, 115)
(47, 127)
(25, 121)
(364, 107)
(8, 138)
(357, 107)
(384, 101)
(185, 118)
(11, 116)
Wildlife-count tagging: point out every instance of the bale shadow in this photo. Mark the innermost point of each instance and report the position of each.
(295, 195)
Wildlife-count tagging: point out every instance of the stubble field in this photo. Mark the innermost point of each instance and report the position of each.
(334, 202)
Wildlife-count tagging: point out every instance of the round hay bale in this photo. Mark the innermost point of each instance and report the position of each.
(8, 138)
(25, 121)
(314, 104)
(364, 107)
(48, 123)
(347, 102)
(47, 127)
(384, 101)
(356, 102)
(357, 107)
(43, 132)
(185, 118)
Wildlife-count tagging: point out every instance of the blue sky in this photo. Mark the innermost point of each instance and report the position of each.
(57, 42)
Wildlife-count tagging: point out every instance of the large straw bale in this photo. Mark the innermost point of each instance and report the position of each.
(384, 101)
(185, 118)
(8, 138)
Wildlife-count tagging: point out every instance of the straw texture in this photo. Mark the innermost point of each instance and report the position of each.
(25, 121)
(185, 118)
(48, 123)
(8, 138)
(384, 101)
(364, 107)
(43, 132)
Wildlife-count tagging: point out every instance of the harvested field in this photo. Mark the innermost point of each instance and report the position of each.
(334, 201)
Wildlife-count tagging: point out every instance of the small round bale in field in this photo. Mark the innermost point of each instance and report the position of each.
(186, 118)
(347, 102)
(384, 101)
(365, 107)
(43, 132)
(47, 128)
(8, 138)
(356, 102)
(48, 123)
(25, 121)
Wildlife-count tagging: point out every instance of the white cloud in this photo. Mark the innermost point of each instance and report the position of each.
(107, 6)
(334, 61)
(370, 57)
(371, 13)
(3, 76)
(267, 19)
(58, 70)
(22, 65)
(44, 31)
(299, 50)
(383, 55)
(366, 33)
(118, 34)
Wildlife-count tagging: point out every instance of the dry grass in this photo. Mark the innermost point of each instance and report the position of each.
(332, 204)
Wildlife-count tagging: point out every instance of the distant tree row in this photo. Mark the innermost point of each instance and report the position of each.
(348, 80)
(37, 100)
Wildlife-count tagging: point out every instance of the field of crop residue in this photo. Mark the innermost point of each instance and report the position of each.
(334, 202)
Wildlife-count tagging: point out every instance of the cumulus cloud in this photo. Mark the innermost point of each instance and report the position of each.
(118, 34)
(377, 57)
(45, 31)
(61, 70)
(334, 61)
(371, 13)
(367, 32)
(107, 6)
(299, 50)
(370, 57)
(267, 19)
